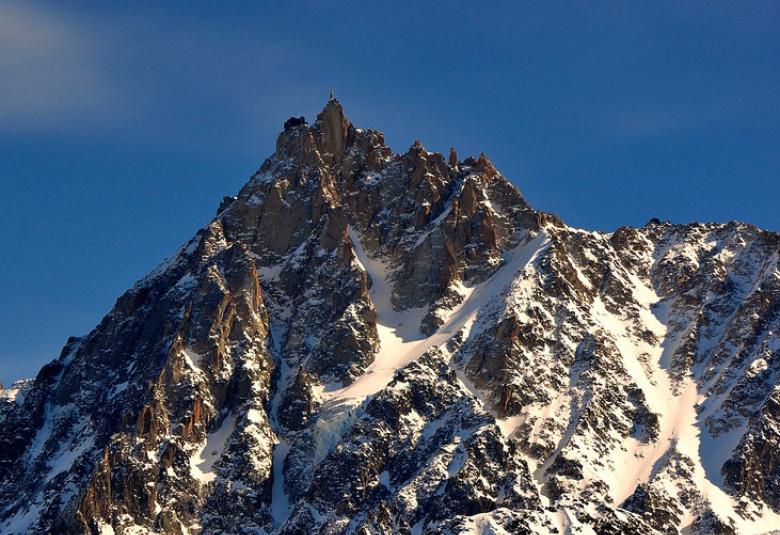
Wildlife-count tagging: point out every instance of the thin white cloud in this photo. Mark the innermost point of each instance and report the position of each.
(50, 74)
(642, 123)
(729, 107)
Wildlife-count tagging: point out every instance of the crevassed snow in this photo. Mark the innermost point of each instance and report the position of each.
(203, 459)
(335, 420)
(400, 339)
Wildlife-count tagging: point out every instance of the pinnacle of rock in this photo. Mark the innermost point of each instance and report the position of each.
(334, 128)
(452, 159)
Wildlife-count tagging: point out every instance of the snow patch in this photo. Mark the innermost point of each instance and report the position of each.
(203, 459)
(280, 503)
(192, 359)
(16, 392)
(117, 389)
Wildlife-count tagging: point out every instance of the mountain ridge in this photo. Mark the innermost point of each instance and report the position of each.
(370, 342)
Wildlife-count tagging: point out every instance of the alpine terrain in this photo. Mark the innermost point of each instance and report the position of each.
(364, 342)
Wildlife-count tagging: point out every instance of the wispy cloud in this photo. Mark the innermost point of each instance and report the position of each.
(642, 123)
(732, 106)
(141, 76)
(50, 72)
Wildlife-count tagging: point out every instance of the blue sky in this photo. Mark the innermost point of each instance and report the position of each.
(123, 125)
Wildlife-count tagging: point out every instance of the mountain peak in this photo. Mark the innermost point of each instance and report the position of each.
(334, 128)
(364, 341)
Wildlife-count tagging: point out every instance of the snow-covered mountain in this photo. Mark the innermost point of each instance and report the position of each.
(363, 342)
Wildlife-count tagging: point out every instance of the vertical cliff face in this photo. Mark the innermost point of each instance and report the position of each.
(370, 342)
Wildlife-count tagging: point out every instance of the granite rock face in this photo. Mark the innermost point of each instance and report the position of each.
(366, 342)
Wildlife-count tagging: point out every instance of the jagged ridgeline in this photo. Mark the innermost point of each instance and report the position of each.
(363, 342)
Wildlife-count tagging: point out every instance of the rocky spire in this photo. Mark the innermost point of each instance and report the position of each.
(335, 130)
(453, 158)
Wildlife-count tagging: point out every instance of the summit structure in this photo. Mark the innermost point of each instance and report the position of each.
(364, 342)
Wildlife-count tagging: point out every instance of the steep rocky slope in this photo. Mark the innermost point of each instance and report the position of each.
(367, 342)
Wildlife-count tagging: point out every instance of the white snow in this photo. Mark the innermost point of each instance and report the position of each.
(15, 392)
(65, 458)
(401, 341)
(483, 524)
(117, 389)
(43, 434)
(643, 362)
(689, 442)
(203, 459)
(509, 425)
(183, 252)
(23, 519)
(384, 479)
(280, 503)
(192, 359)
(255, 416)
(680, 426)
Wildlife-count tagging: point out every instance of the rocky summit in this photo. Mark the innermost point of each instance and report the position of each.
(365, 342)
